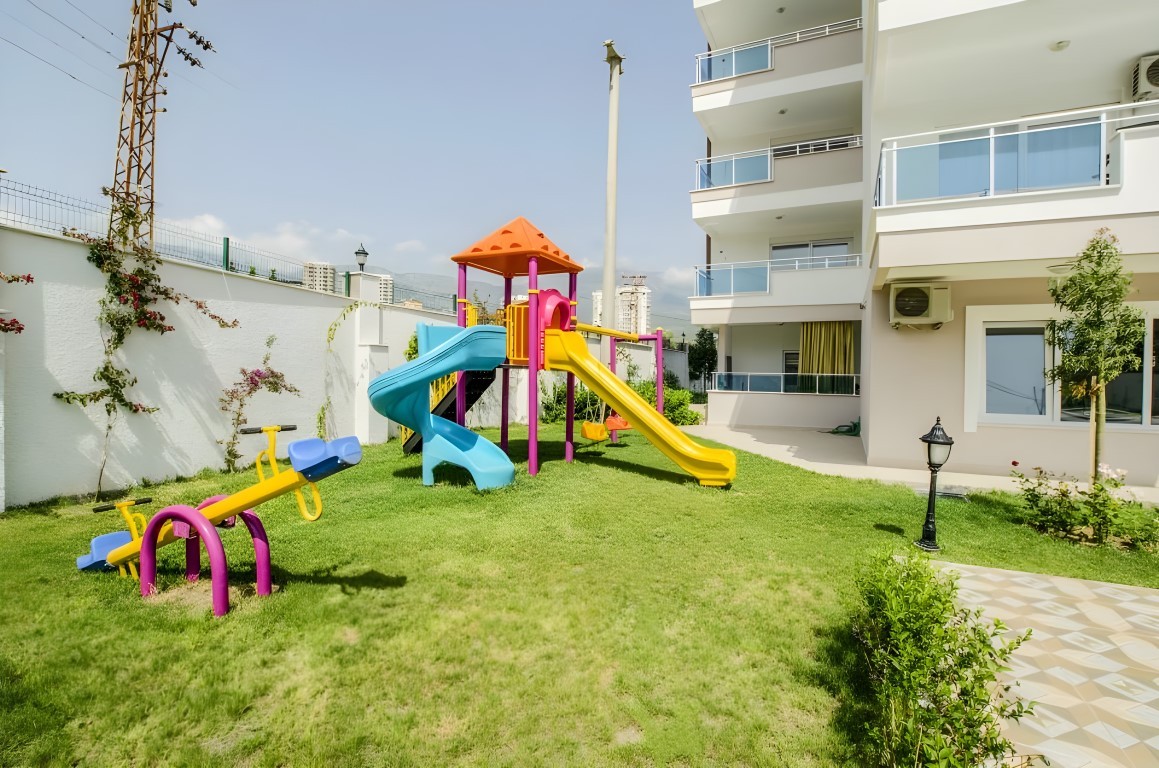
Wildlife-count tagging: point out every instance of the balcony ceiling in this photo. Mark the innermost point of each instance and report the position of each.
(817, 113)
(733, 22)
(829, 220)
(939, 74)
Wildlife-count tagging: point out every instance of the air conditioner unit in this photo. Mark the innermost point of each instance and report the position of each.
(1145, 79)
(919, 304)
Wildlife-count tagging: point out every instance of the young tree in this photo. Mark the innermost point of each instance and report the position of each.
(1099, 334)
(702, 354)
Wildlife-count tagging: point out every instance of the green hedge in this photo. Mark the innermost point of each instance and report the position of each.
(933, 669)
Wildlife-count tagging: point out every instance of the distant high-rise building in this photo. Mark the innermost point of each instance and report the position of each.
(385, 289)
(633, 307)
(318, 276)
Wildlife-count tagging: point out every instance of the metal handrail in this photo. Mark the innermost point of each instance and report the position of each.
(1071, 114)
(789, 38)
(781, 151)
(997, 137)
(716, 273)
(780, 383)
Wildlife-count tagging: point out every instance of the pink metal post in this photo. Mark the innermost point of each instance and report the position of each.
(612, 434)
(461, 377)
(660, 370)
(206, 532)
(506, 373)
(533, 346)
(569, 426)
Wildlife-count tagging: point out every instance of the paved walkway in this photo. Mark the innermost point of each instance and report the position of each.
(830, 454)
(1091, 664)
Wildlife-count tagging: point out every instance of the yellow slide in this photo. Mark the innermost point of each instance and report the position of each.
(567, 351)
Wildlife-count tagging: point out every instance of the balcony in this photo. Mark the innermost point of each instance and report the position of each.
(757, 166)
(756, 276)
(983, 193)
(789, 383)
(813, 185)
(1069, 150)
(758, 56)
(798, 82)
(815, 287)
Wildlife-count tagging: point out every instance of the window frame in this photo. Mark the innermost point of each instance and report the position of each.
(1050, 388)
(979, 317)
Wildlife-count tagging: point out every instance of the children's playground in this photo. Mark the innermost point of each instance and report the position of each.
(540, 334)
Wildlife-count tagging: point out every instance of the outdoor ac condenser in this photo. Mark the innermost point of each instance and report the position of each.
(1145, 79)
(919, 304)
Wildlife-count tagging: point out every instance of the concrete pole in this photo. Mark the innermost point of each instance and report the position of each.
(608, 313)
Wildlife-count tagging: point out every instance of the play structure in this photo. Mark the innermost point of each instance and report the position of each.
(133, 552)
(540, 334)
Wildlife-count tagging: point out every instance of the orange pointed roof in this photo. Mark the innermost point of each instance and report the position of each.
(507, 251)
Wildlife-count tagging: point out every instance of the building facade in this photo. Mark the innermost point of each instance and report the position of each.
(633, 307)
(889, 188)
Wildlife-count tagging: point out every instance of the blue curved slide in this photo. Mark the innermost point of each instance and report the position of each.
(402, 394)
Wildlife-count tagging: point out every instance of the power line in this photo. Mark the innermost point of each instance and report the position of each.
(58, 45)
(58, 69)
(70, 29)
(94, 21)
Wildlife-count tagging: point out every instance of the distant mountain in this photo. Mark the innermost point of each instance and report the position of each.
(669, 309)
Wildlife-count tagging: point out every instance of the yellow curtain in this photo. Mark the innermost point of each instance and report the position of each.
(827, 347)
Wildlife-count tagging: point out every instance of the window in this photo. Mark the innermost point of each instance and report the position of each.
(1124, 398)
(791, 364)
(1016, 370)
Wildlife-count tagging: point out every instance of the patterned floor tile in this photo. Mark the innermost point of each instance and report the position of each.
(1091, 664)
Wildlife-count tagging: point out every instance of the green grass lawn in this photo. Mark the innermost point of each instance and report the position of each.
(608, 612)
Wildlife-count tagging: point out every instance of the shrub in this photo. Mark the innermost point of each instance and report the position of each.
(676, 403)
(1099, 513)
(588, 406)
(933, 670)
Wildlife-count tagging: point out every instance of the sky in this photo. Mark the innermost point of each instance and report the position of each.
(412, 128)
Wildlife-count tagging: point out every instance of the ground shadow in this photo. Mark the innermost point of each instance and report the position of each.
(445, 474)
(839, 667)
(598, 458)
(885, 527)
(349, 583)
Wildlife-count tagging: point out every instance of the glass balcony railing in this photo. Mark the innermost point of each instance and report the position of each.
(757, 165)
(758, 56)
(789, 383)
(756, 276)
(1068, 150)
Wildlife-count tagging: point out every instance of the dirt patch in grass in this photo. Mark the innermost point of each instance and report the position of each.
(198, 595)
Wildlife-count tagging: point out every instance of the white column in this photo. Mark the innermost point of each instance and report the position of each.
(723, 348)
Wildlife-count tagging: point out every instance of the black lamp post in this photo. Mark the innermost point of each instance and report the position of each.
(684, 341)
(360, 256)
(938, 445)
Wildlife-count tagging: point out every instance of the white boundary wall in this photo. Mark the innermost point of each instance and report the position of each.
(53, 448)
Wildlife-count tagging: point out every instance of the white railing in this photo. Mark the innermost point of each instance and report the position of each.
(1064, 150)
(757, 56)
(756, 165)
(789, 383)
(756, 276)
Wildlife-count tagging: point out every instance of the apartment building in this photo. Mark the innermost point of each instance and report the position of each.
(633, 307)
(888, 189)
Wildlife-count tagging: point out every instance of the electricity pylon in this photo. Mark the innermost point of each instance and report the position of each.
(132, 191)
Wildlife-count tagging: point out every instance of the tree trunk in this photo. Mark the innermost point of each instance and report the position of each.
(1100, 427)
(1094, 422)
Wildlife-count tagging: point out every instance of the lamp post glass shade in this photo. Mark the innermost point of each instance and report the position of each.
(360, 256)
(938, 445)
